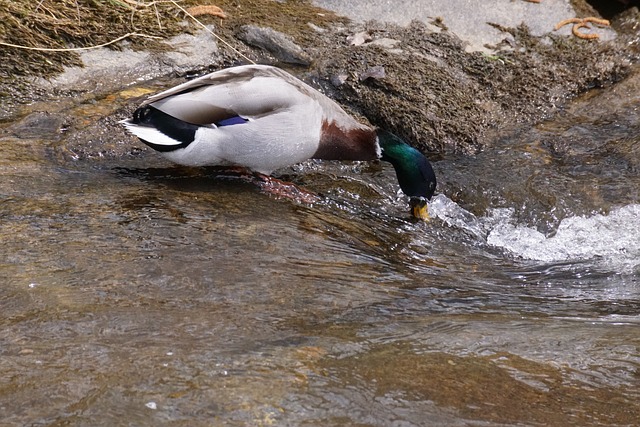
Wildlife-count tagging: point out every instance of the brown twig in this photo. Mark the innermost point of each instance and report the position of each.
(598, 21)
(587, 36)
(207, 10)
(567, 21)
(583, 23)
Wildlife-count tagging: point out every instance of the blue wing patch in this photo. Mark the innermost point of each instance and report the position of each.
(237, 120)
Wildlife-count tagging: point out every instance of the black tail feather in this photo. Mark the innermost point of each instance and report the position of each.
(177, 129)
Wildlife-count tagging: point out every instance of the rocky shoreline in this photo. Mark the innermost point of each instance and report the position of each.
(420, 81)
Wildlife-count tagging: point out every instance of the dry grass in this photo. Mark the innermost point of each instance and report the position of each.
(81, 23)
(63, 24)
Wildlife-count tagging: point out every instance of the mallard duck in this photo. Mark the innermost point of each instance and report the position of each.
(262, 118)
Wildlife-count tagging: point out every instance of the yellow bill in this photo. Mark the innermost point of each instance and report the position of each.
(419, 208)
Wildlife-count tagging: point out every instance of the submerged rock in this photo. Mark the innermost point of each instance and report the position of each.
(39, 125)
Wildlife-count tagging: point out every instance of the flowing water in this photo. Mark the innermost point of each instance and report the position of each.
(134, 292)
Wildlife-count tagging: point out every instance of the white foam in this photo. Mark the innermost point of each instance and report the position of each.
(614, 236)
(455, 216)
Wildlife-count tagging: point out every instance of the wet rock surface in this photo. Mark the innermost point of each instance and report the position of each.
(38, 125)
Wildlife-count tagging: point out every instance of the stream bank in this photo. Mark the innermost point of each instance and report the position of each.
(138, 292)
(435, 93)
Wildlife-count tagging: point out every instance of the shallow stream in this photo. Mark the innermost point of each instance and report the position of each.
(134, 292)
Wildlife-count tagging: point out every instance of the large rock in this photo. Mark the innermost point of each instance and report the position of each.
(468, 19)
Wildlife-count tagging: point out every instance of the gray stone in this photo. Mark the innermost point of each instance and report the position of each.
(276, 43)
(105, 69)
(375, 73)
(359, 38)
(468, 19)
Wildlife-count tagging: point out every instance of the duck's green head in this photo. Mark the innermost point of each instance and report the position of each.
(415, 174)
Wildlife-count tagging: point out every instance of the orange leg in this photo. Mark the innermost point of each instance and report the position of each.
(270, 185)
(287, 190)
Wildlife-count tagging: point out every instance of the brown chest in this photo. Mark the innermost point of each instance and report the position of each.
(337, 143)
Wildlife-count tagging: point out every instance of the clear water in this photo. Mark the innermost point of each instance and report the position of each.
(135, 292)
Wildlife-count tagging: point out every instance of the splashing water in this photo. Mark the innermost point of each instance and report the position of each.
(614, 237)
